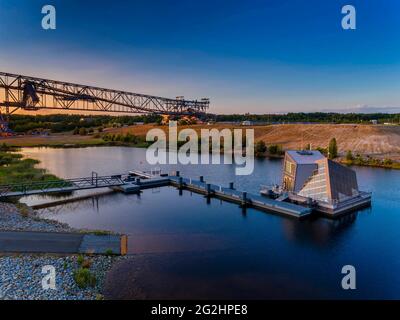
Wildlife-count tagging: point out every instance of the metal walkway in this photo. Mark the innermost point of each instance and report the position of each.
(58, 242)
(60, 186)
(241, 197)
(137, 180)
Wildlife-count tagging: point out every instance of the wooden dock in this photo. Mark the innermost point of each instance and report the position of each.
(225, 193)
(137, 180)
(241, 197)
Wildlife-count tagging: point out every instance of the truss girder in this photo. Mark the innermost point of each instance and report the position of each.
(58, 95)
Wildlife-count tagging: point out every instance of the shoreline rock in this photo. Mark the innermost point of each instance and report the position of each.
(21, 275)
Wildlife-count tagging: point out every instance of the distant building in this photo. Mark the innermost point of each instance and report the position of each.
(374, 121)
(247, 123)
(309, 174)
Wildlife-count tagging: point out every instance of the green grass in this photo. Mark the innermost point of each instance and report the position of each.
(372, 162)
(15, 169)
(100, 232)
(109, 252)
(84, 278)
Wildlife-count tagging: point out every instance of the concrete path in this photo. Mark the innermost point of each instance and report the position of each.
(57, 242)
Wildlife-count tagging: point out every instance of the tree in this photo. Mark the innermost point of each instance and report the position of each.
(349, 156)
(387, 162)
(260, 148)
(332, 149)
(82, 131)
(275, 149)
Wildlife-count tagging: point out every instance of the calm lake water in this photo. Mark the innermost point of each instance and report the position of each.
(198, 249)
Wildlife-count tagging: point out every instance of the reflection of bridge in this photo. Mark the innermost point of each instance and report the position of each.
(30, 93)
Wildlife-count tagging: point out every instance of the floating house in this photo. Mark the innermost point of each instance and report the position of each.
(312, 179)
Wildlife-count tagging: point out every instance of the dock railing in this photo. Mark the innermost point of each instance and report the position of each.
(64, 185)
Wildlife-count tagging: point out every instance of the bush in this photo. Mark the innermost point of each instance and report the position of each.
(84, 278)
(109, 252)
(387, 162)
(260, 148)
(82, 131)
(349, 156)
(80, 259)
(275, 149)
(359, 160)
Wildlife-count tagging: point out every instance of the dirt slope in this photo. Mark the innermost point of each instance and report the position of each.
(378, 140)
(363, 139)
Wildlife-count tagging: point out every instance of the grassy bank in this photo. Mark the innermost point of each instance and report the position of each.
(56, 141)
(75, 141)
(372, 162)
(15, 169)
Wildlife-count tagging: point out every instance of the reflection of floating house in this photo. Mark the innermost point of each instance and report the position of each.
(311, 178)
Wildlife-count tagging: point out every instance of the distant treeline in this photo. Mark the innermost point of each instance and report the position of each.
(312, 117)
(63, 122)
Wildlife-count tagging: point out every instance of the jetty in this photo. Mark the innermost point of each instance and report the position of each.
(135, 181)
(240, 197)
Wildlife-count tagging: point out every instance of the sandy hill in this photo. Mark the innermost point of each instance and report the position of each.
(375, 140)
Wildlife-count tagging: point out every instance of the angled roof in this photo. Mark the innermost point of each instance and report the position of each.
(305, 156)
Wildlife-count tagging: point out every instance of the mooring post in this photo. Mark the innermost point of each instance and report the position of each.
(244, 198)
(180, 182)
(231, 185)
(201, 179)
(94, 177)
(208, 189)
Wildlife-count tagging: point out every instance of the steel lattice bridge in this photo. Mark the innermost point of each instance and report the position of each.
(31, 93)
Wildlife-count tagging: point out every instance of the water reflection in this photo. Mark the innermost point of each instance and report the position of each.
(190, 246)
(319, 230)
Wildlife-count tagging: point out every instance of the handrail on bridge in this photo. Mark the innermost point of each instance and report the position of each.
(78, 183)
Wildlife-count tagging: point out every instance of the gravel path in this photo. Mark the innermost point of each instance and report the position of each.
(21, 275)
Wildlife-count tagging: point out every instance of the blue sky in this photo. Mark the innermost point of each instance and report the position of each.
(247, 56)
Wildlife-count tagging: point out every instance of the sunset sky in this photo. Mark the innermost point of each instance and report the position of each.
(246, 56)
